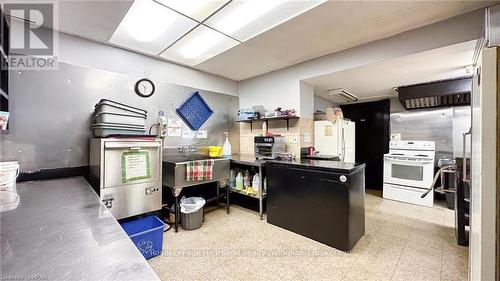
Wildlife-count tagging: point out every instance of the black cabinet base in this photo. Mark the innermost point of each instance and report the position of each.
(325, 206)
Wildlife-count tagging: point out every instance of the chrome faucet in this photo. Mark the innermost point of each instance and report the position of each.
(188, 148)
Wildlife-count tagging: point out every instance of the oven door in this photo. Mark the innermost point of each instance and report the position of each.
(409, 172)
(264, 150)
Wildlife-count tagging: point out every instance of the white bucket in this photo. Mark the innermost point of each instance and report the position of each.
(8, 201)
(8, 174)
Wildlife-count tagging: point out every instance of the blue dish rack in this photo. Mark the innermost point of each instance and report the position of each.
(194, 111)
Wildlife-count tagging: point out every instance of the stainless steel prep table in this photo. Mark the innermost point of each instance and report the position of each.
(250, 160)
(61, 231)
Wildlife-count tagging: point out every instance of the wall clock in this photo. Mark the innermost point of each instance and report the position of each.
(144, 88)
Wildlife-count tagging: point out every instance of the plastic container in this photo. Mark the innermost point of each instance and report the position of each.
(8, 201)
(226, 148)
(147, 235)
(214, 151)
(115, 118)
(239, 181)
(103, 131)
(232, 179)
(194, 111)
(110, 106)
(255, 184)
(8, 174)
(247, 180)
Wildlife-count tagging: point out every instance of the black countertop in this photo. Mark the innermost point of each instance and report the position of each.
(333, 166)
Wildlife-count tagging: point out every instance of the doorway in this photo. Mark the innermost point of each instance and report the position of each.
(372, 137)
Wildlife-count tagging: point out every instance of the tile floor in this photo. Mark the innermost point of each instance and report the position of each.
(402, 242)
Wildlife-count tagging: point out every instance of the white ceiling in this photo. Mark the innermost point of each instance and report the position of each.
(327, 28)
(377, 80)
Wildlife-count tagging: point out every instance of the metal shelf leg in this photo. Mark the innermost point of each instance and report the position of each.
(261, 189)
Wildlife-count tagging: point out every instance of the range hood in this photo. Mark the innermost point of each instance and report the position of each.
(445, 93)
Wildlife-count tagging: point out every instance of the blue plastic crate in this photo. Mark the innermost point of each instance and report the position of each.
(147, 235)
(194, 111)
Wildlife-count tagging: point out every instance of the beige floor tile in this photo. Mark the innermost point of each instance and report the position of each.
(419, 262)
(454, 268)
(401, 242)
(360, 274)
(326, 269)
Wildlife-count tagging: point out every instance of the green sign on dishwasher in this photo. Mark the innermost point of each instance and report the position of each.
(136, 165)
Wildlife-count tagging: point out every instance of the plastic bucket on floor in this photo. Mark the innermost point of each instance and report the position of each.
(8, 201)
(147, 235)
(8, 174)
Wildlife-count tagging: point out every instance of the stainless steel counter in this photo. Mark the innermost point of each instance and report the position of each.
(247, 159)
(61, 231)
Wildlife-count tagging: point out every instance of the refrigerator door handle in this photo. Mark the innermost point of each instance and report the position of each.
(343, 144)
(464, 159)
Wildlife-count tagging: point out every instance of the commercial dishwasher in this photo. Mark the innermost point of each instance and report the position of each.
(126, 174)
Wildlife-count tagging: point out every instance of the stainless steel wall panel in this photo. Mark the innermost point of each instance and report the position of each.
(51, 110)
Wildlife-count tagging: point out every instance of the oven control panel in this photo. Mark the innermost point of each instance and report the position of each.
(412, 145)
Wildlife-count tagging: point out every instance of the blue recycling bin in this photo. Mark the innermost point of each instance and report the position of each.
(147, 235)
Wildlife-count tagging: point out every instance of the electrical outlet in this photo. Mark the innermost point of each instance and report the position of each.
(293, 139)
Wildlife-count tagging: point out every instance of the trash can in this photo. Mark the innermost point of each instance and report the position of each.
(147, 235)
(192, 212)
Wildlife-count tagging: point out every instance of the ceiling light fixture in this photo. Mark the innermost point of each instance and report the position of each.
(149, 27)
(245, 19)
(196, 9)
(199, 45)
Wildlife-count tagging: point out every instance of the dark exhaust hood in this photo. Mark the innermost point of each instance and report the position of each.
(443, 93)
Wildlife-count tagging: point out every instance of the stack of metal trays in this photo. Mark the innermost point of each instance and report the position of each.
(114, 118)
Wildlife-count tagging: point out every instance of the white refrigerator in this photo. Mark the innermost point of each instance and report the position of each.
(336, 139)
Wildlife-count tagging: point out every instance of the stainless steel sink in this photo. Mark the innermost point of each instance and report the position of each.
(174, 169)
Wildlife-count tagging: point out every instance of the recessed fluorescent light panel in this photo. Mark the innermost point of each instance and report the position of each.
(149, 27)
(199, 45)
(244, 19)
(196, 9)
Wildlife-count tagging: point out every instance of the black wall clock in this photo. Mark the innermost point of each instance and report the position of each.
(144, 88)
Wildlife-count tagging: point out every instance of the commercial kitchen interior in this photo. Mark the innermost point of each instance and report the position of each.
(249, 140)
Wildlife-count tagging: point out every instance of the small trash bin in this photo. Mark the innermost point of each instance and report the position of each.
(192, 212)
(147, 235)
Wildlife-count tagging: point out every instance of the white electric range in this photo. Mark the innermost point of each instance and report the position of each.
(409, 171)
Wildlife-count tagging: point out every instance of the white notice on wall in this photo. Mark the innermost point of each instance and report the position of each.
(174, 123)
(174, 132)
(307, 137)
(202, 134)
(187, 134)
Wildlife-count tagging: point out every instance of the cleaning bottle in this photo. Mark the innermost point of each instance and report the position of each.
(239, 181)
(247, 179)
(255, 184)
(226, 148)
(232, 179)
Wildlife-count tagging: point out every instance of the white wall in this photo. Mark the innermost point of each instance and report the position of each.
(78, 51)
(282, 88)
(483, 172)
(306, 100)
(321, 104)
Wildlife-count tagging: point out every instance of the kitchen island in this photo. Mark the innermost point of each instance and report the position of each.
(322, 200)
(61, 231)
